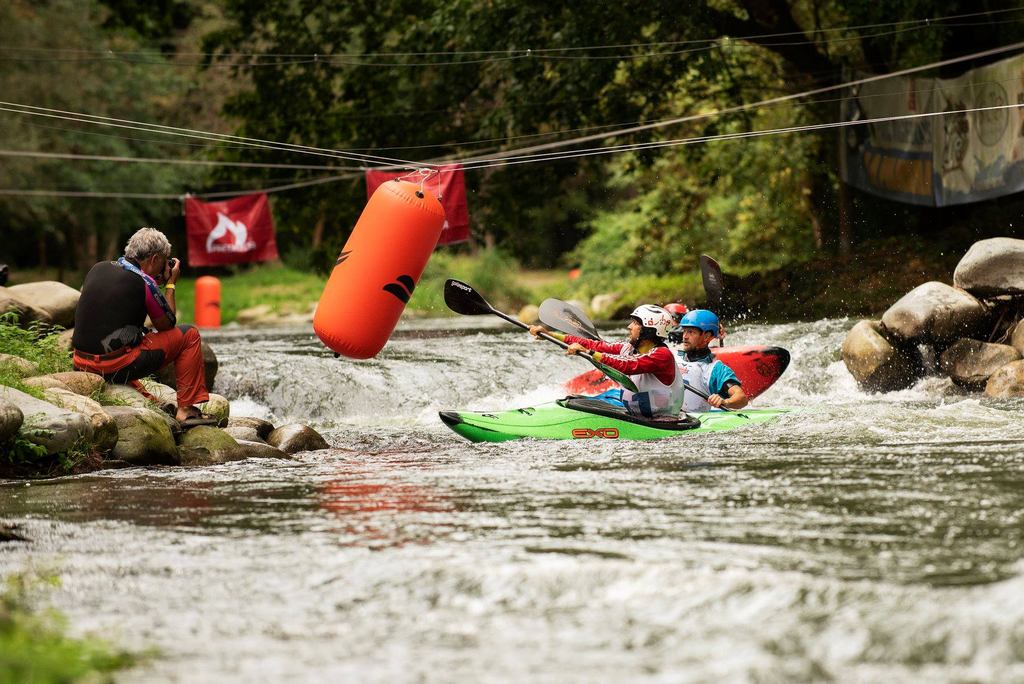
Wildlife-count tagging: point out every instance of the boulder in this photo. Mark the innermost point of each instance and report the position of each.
(9, 303)
(11, 418)
(1007, 382)
(80, 382)
(196, 456)
(248, 434)
(875, 363)
(218, 407)
(969, 363)
(936, 312)
(45, 382)
(65, 338)
(55, 300)
(143, 436)
(52, 427)
(992, 267)
(166, 397)
(603, 305)
(104, 429)
(294, 437)
(24, 367)
(529, 314)
(126, 395)
(262, 427)
(1017, 337)
(221, 446)
(210, 366)
(172, 423)
(260, 450)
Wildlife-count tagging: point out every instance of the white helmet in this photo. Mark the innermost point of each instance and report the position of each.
(655, 317)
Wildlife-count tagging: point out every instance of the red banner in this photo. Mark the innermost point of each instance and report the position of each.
(236, 231)
(449, 186)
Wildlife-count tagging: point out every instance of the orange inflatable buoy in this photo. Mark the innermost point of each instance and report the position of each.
(207, 302)
(378, 269)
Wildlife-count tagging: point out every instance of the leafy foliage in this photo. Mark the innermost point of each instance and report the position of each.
(492, 272)
(405, 73)
(39, 344)
(145, 88)
(34, 646)
(407, 81)
(20, 450)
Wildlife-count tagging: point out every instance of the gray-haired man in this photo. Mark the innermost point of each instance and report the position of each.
(110, 338)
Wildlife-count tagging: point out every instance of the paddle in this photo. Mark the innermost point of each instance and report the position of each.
(711, 275)
(567, 318)
(704, 396)
(463, 299)
(714, 285)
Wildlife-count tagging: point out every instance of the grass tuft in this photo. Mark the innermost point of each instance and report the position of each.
(34, 646)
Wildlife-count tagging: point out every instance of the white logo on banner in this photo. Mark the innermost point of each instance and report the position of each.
(239, 233)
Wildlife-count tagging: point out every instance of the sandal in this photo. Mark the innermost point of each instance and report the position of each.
(196, 420)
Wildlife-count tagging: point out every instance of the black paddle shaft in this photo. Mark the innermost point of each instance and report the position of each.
(714, 286)
(711, 277)
(462, 298)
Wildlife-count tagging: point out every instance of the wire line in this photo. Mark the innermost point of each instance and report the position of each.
(470, 162)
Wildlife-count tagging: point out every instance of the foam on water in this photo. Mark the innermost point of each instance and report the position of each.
(863, 537)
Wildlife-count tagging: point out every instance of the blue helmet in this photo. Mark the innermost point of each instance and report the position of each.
(702, 319)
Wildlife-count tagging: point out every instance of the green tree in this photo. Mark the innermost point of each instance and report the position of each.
(427, 80)
(55, 59)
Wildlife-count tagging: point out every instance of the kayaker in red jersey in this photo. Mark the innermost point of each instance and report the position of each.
(644, 357)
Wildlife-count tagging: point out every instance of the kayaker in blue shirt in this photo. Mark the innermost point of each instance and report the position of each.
(702, 370)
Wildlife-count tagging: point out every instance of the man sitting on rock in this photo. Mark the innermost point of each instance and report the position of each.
(110, 338)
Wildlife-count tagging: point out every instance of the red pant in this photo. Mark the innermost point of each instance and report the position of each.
(180, 345)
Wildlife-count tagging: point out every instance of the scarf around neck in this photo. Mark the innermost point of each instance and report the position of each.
(151, 286)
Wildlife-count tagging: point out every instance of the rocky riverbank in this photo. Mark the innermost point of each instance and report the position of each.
(54, 420)
(971, 330)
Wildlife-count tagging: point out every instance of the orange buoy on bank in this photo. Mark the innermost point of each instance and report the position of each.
(378, 269)
(207, 302)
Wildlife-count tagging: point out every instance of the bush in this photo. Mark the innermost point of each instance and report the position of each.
(633, 291)
(34, 648)
(38, 344)
(491, 271)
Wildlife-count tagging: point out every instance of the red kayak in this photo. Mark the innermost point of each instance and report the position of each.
(757, 367)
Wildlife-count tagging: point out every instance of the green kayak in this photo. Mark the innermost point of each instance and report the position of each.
(586, 418)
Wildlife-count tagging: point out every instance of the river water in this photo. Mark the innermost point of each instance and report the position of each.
(862, 538)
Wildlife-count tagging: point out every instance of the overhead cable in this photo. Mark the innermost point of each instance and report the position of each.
(168, 196)
(725, 42)
(469, 162)
(557, 156)
(171, 160)
(47, 112)
(925, 22)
